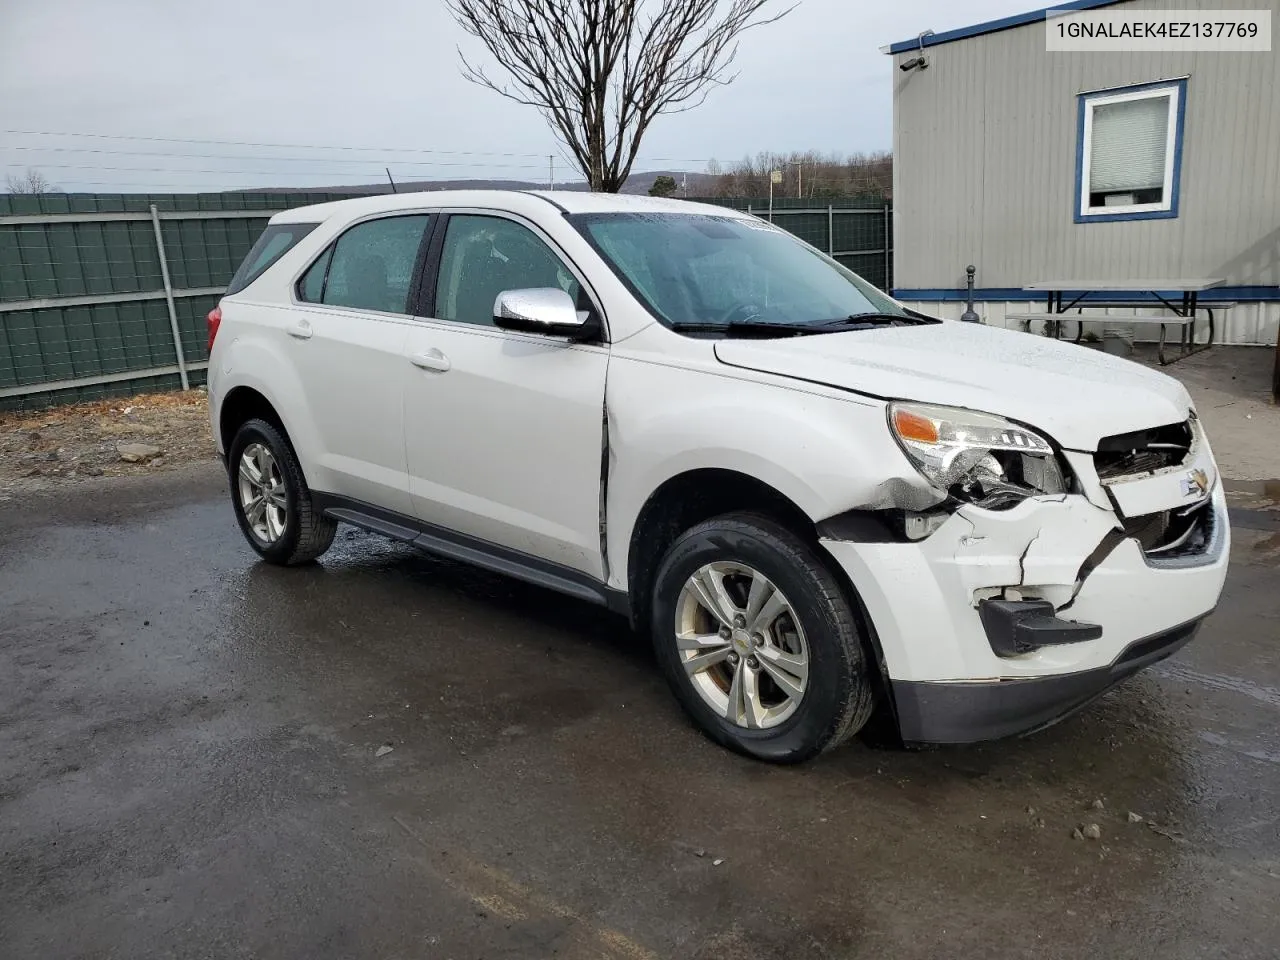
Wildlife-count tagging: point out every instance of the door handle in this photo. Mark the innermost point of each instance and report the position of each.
(301, 330)
(431, 359)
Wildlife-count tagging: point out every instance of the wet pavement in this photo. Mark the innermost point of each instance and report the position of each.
(189, 767)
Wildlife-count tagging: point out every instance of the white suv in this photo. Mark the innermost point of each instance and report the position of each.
(813, 499)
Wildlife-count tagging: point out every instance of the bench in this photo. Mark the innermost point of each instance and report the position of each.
(1179, 296)
(1187, 325)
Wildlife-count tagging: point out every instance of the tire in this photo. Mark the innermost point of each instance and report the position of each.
(305, 533)
(818, 626)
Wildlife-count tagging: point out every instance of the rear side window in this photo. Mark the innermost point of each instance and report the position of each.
(370, 267)
(273, 243)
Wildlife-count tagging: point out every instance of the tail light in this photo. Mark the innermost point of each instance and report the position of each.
(214, 320)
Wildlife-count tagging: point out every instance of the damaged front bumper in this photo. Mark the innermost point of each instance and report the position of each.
(1107, 608)
(970, 711)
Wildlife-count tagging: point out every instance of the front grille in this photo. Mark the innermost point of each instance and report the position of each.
(1143, 451)
(1170, 534)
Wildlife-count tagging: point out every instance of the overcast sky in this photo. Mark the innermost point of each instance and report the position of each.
(383, 75)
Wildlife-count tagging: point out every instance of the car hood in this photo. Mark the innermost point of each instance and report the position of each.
(1074, 394)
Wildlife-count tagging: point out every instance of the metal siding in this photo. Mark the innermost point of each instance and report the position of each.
(984, 153)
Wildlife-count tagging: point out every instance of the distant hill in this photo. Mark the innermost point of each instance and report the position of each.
(699, 184)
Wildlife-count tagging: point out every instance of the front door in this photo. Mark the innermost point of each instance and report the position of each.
(504, 431)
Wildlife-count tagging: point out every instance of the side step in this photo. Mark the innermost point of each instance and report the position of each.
(471, 550)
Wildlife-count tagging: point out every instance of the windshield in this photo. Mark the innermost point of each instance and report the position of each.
(705, 271)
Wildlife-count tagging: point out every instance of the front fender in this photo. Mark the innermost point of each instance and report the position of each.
(826, 453)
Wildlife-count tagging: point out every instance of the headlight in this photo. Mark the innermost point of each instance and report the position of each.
(976, 457)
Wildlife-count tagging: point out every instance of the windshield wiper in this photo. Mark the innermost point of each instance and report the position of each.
(854, 321)
(866, 321)
(750, 327)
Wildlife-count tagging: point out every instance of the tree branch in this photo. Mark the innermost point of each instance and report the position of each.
(601, 71)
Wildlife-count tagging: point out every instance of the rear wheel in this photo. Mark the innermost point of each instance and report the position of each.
(758, 640)
(271, 499)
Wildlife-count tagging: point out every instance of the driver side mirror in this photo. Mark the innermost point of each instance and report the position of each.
(546, 310)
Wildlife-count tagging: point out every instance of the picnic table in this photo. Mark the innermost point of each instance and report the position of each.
(1182, 306)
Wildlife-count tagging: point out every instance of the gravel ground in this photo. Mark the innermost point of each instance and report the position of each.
(51, 448)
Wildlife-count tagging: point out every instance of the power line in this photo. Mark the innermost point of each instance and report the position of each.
(243, 156)
(150, 186)
(291, 173)
(306, 146)
(246, 143)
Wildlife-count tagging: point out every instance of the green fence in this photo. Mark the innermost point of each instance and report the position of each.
(856, 232)
(84, 304)
(86, 312)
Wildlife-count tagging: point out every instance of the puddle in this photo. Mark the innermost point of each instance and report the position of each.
(1254, 504)
(1268, 490)
(1269, 696)
(1220, 741)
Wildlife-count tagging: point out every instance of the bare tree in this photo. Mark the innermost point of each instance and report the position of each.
(868, 175)
(33, 181)
(601, 71)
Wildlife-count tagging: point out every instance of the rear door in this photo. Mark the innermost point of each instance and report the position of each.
(347, 339)
(504, 431)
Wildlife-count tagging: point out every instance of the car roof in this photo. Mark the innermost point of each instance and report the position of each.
(529, 202)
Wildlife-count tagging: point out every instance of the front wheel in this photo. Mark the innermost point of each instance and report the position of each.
(271, 498)
(758, 640)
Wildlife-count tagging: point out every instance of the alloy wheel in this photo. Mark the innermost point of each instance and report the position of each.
(742, 645)
(262, 493)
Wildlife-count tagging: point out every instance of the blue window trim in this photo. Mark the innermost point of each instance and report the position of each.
(1082, 105)
(992, 26)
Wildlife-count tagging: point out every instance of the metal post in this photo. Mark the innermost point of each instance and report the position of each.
(831, 231)
(168, 297)
(551, 170)
(771, 196)
(970, 315)
(888, 223)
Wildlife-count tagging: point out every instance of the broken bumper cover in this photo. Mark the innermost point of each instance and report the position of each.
(951, 683)
(968, 711)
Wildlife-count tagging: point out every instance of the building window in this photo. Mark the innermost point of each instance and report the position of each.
(1129, 152)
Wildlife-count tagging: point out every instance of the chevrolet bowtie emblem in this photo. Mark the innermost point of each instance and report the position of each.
(1195, 483)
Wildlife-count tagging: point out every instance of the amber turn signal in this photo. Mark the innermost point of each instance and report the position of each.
(912, 426)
